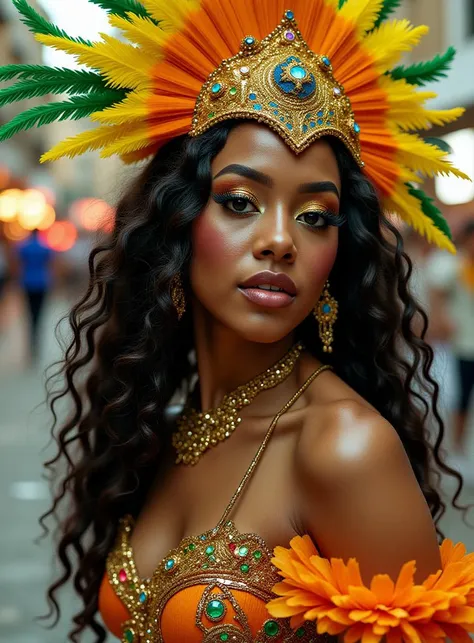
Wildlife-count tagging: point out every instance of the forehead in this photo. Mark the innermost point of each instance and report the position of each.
(262, 149)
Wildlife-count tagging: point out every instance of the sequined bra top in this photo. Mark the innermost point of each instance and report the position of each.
(212, 588)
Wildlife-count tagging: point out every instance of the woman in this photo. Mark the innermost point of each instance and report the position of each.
(252, 272)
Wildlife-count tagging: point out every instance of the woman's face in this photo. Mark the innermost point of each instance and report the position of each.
(271, 222)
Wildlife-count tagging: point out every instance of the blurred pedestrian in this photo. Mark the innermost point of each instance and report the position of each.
(36, 277)
(453, 297)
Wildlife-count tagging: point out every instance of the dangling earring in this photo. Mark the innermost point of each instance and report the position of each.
(325, 312)
(177, 295)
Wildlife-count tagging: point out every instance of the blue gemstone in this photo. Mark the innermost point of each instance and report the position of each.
(328, 123)
(326, 61)
(204, 537)
(216, 88)
(250, 40)
(327, 309)
(290, 15)
(289, 126)
(313, 124)
(253, 96)
(305, 129)
(169, 564)
(298, 72)
(275, 111)
(320, 121)
(282, 118)
(331, 113)
(321, 113)
(142, 597)
(273, 104)
(257, 106)
(308, 115)
(356, 128)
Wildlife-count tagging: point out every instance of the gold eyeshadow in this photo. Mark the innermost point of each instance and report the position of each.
(242, 193)
(314, 206)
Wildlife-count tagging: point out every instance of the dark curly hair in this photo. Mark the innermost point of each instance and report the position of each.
(128, 356)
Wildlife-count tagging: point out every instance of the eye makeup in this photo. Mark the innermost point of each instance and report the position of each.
(329, 217)
(235, 194)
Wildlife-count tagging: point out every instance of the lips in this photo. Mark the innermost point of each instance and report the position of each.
(269, 289)
(271, 282)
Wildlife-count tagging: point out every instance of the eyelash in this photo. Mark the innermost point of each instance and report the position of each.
(330, 218)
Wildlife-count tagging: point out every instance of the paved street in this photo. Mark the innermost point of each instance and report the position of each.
(25, 567)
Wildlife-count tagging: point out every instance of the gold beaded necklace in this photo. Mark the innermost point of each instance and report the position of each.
(198, 431)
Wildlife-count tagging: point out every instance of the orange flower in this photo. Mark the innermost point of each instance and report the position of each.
(333, 594)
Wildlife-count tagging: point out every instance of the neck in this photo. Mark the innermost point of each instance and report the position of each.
(225, 360)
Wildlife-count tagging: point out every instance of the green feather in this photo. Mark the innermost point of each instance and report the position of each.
(123, 7)
(431, 211)
(389, 6)
(342, 3)
(440, 144)
(74, 109)
(38, 24)
(74, 82)
(426, 72)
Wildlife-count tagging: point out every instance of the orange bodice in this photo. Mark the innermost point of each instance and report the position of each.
(211, 588)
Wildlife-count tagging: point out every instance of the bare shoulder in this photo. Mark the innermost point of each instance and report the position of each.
(358, 495)
(343, 434)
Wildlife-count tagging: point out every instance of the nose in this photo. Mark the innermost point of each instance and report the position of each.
(274, 237)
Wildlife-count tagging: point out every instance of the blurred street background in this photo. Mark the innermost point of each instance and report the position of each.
(50, 218)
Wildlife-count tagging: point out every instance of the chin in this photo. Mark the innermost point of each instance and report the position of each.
(262, 331)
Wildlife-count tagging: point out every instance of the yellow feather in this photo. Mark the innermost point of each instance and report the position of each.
(363, 13)
(171, 13)
(444, 116)
(415, 153)
(138, 139)
(142, 32)
(409, 208)
(121, 64)
(81, 143)
(133, 108)
(387, 43)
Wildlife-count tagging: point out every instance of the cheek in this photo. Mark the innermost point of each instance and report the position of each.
(320, 263)
(213, 246)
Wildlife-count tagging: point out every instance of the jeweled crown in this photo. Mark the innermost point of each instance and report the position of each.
(279, 81)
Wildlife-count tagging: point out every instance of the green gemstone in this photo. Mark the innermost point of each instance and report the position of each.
(244, 568)
(205, 566)
(300, 632)
(224, 636)
(210, 550)
(243, 551)
(271, 628)
(232, 92)
(212, 558)
(132, 585)
(215, 610)
(185, 550)
(257, 554)
(192, 547)
(129, 636)
(211, 115)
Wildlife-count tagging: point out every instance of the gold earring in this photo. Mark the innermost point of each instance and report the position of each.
(177, 295)
(326, 315)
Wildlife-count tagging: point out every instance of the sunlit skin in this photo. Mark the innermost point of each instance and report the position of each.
(334, 467)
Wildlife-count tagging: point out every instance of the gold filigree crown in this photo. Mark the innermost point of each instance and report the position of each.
(279, 81)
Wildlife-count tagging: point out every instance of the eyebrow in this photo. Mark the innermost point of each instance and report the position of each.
(319, 186)
(249, 173)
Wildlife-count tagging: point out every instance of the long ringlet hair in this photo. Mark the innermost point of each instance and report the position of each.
(128, 355)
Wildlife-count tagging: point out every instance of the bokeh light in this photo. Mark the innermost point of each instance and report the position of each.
(15, 232)
(32, 209)
(10, 203)
(61, 236)
(49, 217)
(93, 214)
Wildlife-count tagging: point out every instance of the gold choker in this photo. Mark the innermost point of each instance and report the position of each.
(198, 431)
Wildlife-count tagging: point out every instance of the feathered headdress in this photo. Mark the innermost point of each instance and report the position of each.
(179, 66)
